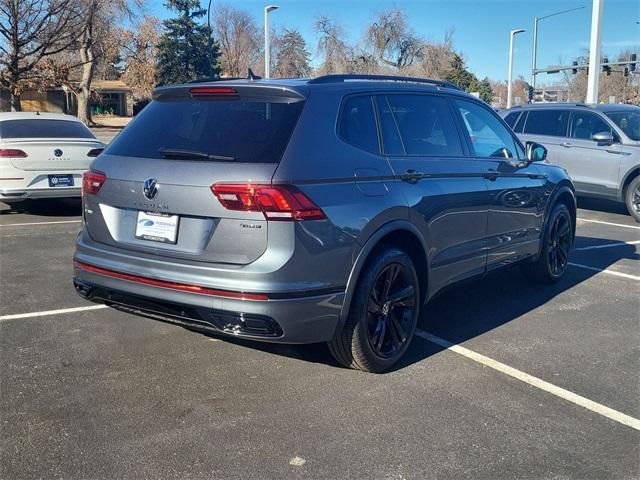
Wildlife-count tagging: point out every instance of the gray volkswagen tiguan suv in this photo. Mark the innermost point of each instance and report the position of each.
(598, 145)
(322, 210)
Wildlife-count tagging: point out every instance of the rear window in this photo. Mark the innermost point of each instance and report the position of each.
(547, 122)
(44, 128)
(243, 131)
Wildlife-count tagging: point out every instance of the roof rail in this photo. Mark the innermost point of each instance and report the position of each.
(387, 78)
(214, 79)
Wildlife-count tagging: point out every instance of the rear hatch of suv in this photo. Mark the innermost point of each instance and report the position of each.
(172, 182)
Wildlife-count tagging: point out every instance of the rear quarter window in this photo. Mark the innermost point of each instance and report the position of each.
(511, 119)
(244, 130)
(44, 128)
(358, 123)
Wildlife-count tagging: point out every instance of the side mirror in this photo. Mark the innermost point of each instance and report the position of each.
(603, 138)
(535, 152)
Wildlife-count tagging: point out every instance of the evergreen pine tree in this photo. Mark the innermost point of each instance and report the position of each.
(292, 59)
(185, 51)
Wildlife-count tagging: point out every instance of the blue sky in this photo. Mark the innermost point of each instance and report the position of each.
(481, 27)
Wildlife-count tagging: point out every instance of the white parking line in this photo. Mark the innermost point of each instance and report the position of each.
(605, 270)
(39, 223)
(533, 381)
(608, 223)
(608, 245)
(50, 312)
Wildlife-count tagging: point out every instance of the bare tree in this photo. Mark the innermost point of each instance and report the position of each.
(30, 31)
(392, 40)
(338, 56)
(96, 40)
(139, 53)
(239, 38)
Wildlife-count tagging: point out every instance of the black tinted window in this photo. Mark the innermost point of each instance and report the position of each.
(358, 124)
(547, 122)
(426, 125)
(585, 125)
(243, 130)
(391, 142)
(44, 128)
(520, 123)
(511, 118)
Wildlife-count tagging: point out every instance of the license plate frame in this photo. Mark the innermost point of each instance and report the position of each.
(64, 180)
(157, 227)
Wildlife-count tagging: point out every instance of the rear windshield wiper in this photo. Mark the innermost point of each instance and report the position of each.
(180, 153)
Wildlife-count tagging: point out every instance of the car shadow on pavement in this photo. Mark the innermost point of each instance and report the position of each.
(600, 205)
(469, 309)
(51, 207)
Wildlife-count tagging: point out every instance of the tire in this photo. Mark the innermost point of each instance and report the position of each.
(553, 260)
(632, 198)
(380, 326)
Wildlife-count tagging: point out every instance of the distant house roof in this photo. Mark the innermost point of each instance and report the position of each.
(109, 86)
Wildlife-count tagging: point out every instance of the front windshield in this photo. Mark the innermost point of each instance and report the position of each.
(629, 123)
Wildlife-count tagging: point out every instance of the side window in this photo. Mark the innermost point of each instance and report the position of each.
(511, 118)
(547, 122)
(391, 141)
(489, 137)
(426, 125)
(585, 124)
(358, 124)
(520, 123)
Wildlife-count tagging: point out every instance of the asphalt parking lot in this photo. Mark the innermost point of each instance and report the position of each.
(506, 379)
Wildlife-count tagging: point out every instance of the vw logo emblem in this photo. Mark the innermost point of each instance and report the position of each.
(150, 189)
(57, 152)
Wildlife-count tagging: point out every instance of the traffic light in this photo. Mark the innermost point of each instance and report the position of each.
(606, 68)
(530, 93)
(632, 66)
(574, 70)
(626, 72)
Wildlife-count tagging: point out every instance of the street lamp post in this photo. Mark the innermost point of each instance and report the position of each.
(209, 32)
(509, 86)
(535, 40)
(267, 53)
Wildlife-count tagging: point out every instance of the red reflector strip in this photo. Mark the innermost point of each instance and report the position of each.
(171, 285)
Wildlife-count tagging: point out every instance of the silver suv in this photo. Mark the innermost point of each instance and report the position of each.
(323, 210)
(599, 145)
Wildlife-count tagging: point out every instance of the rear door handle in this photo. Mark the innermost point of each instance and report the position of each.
(567, 144)
(411, 176)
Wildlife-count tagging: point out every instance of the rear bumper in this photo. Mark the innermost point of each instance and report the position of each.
(298, 319)
(18, 194)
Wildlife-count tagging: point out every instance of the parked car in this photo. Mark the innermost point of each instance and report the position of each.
(322, 210)
(599, 145)
(43, 155)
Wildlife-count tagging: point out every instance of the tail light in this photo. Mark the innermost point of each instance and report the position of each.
(92, 182)
(276, 202)
(12, 152)
(95, 152)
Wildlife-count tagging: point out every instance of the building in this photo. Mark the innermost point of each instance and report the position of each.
(112, 97)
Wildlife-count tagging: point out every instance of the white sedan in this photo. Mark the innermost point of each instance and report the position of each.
(43, 155)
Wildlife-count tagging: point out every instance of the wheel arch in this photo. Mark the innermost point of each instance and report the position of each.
(628, 178)
(399, 233)
(564, 193)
